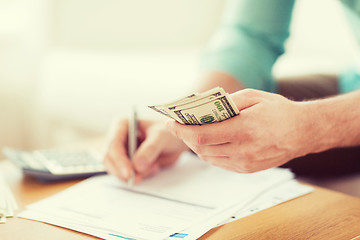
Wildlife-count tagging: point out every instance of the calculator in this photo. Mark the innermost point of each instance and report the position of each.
(55, 164)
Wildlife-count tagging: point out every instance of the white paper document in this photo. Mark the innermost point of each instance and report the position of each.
(181, 202)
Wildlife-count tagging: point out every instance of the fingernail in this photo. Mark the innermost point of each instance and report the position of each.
(124, 173)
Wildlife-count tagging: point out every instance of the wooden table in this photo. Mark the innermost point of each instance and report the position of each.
(323, 214)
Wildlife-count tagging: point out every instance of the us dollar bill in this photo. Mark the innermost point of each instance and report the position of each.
(212, 106)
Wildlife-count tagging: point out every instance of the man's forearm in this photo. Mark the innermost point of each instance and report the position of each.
(333, 122)
(213, 79)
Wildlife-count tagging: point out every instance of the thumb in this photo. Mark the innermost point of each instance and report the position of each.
(247, 98)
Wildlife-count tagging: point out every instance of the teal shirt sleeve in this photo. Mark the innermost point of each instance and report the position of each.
(250, 38)
(349, 79)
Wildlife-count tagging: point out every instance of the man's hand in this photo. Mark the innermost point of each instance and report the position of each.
(268, 132)
(158, 148)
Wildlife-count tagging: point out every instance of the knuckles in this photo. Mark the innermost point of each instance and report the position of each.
(195, 139)
(249, 156)
(246, 162)
(199, 139)
(240, 166)
(205, 158)
(197, 149)
(243, 135)
(248, 166)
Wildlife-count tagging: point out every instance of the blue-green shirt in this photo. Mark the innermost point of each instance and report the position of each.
(251, 38)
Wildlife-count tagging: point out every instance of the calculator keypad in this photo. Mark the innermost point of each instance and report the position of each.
(69, 162)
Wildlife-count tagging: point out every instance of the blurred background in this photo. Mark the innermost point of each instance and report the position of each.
(68, 67)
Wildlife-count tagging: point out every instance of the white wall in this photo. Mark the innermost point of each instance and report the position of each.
(55, 54)
(22, 44)
(67, 66)
(137, 24)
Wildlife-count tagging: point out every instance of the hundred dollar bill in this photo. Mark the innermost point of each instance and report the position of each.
(215, 110)
(212, 106)
(163, 108)
(196, 99)
(169, 108)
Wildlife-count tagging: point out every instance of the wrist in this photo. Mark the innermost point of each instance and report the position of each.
(316, 127)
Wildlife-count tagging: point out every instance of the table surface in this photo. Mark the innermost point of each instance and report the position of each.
(323, 214)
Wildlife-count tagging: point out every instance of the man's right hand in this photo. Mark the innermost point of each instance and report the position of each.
(157, 148)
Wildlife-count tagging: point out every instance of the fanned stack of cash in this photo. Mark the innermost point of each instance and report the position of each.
(212, 106)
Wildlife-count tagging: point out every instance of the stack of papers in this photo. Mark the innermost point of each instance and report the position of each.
(7, 202)
(182, 202)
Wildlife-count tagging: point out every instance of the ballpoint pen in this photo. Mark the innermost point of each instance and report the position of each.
(132, 142)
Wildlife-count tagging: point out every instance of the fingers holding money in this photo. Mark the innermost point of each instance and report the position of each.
(209, 134)
(216, 150)
(259, 137)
